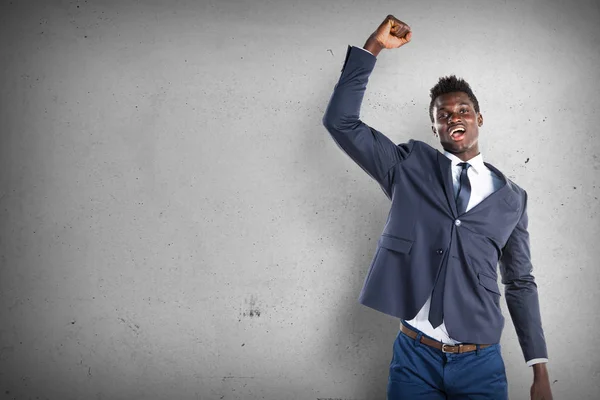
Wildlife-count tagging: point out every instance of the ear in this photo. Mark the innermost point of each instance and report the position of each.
(434, 131)
(479, 120)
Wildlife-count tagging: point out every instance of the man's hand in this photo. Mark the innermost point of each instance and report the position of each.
(391, 34)
(540, 390)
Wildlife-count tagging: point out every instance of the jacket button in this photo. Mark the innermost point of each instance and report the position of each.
(439, 251)
(457, 222)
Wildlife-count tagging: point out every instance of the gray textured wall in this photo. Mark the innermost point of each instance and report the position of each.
(177, 223)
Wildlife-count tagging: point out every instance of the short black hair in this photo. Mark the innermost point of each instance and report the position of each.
(449, 84)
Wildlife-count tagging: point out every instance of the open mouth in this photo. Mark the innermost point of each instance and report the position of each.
(457, 133)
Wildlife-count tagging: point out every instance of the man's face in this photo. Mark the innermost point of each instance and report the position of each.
(457, 124)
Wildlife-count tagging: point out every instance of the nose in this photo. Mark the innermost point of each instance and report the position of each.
(453, 118)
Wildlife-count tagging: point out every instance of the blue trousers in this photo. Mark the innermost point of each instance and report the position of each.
(418, 371)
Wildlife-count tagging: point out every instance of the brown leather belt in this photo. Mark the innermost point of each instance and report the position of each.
(446, 348)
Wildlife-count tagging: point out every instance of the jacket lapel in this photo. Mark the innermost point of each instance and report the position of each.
(445, 167)
(505, 191)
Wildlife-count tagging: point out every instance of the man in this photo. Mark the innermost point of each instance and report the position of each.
(452, 221)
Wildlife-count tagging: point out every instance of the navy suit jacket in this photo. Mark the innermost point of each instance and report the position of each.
(424, 230)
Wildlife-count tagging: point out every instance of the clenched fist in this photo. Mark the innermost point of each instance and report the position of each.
(391, 34)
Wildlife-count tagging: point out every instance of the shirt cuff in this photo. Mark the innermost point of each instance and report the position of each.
(365, 50)
(536, 361)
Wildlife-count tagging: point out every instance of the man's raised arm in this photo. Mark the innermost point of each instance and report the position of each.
(370, 149)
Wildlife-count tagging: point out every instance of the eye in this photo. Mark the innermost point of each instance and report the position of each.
(464, 110)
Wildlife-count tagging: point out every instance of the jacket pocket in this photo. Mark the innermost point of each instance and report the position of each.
(395, 243)
(489, 283)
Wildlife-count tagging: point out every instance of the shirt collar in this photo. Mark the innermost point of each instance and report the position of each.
(476, 162)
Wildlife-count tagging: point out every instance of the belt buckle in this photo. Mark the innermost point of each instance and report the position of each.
(444, 348)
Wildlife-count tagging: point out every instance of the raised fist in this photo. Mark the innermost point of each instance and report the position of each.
(391, 34)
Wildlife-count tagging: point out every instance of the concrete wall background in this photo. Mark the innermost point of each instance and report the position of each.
(177, 223)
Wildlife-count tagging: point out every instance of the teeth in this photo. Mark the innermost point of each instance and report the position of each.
(457, 130)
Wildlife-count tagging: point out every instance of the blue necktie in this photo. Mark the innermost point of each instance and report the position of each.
(436, 310)
(464, 191)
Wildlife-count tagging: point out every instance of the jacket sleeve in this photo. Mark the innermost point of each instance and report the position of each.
(374, 152)
(521, 290)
